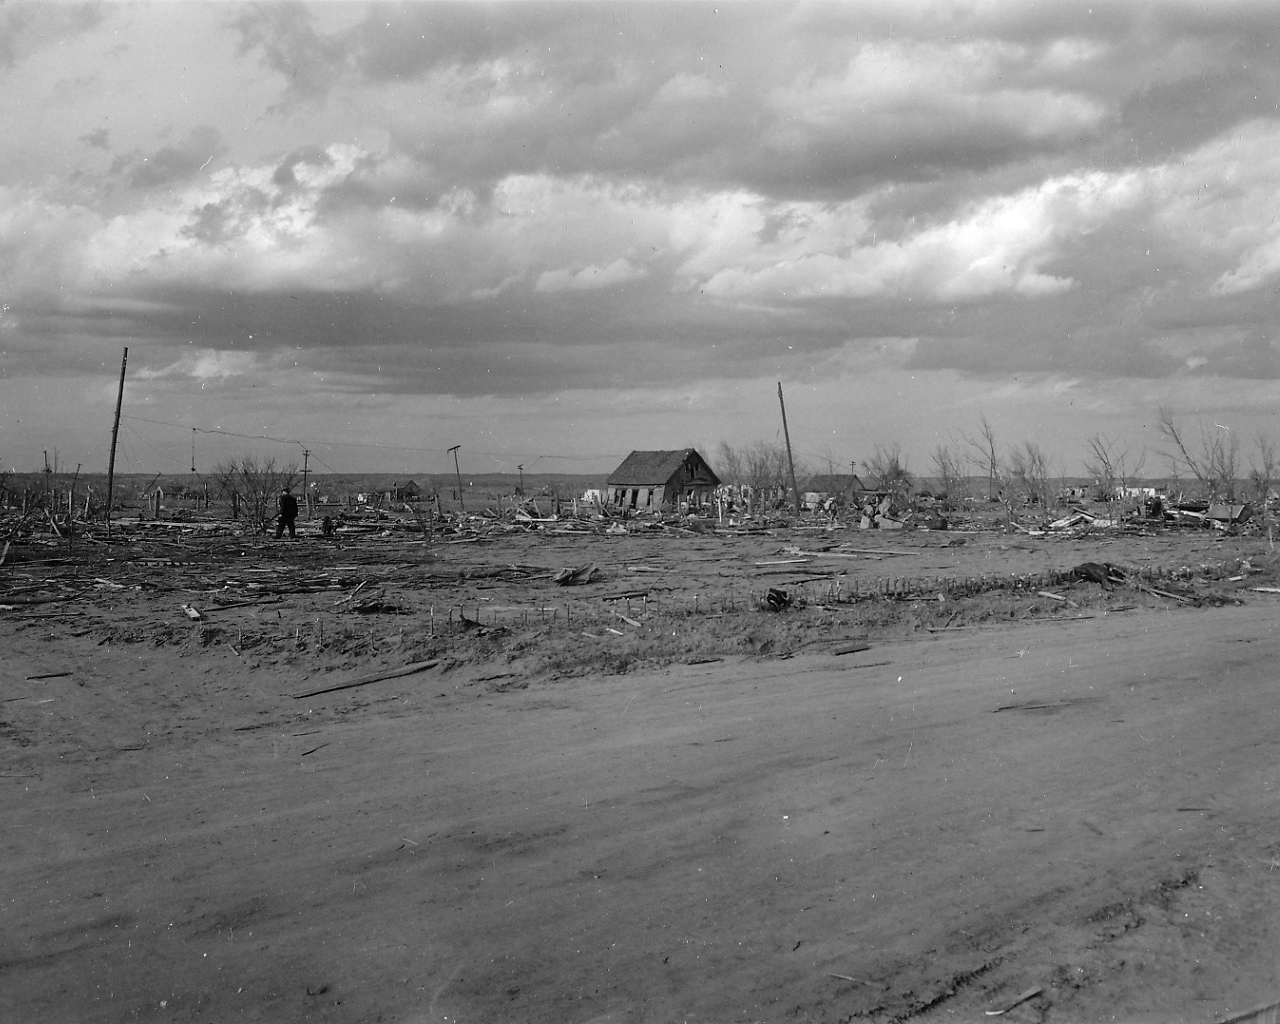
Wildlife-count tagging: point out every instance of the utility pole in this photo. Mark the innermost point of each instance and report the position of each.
(306, 494)
(790, 462)
(521, 490)
(456, 470)
(193, 451)
(115, 433)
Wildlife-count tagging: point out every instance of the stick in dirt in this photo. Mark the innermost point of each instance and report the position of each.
(407, 670)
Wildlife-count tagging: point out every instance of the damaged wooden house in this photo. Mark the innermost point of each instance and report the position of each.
(662, 481)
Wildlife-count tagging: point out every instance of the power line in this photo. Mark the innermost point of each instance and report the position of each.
(313, 443)
(215, 430)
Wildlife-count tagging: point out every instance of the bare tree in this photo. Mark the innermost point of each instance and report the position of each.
(1111, 467)
(1262, 472)
(949, 468)
(1180, 458)
(766, 470)
(985, 457)
(1214, 465)
(890, 470)
(254, 485)
(1030, 468)
(729, 464)
(1224, 463)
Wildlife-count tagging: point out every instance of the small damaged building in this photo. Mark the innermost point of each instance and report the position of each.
(661, 480)
(846, 488)
(408, 491)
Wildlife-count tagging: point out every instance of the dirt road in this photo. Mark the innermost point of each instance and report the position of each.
(923, 830)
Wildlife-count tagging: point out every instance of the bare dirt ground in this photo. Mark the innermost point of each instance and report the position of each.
(645, 798)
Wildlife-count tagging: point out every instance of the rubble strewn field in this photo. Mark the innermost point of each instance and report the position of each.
(550, 768)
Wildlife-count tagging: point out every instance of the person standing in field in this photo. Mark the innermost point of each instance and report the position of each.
(288, 506)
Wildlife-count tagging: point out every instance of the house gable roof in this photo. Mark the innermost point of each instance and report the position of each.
(834, 483)
(649, 469)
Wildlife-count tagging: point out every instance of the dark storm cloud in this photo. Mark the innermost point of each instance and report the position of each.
(482, 348)
(170, 165)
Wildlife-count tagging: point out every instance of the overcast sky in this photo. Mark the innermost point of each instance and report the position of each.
(555, 233)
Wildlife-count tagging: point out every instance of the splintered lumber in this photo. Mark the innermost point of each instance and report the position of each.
(1016, 1001)
(851, 552)
(407, 670)
(234, 604)
(1159, 593)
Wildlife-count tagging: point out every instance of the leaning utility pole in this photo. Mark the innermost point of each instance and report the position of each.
(790, 462)
(306, 494)
(115, 433)
(454, 449)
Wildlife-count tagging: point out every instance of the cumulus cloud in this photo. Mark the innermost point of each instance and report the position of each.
(904, 87)
(204, 365)
(997, 245)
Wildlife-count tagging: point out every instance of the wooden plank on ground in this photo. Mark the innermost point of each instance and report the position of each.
(407, 670)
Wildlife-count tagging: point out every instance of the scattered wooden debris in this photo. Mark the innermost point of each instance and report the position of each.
(1159, 593)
